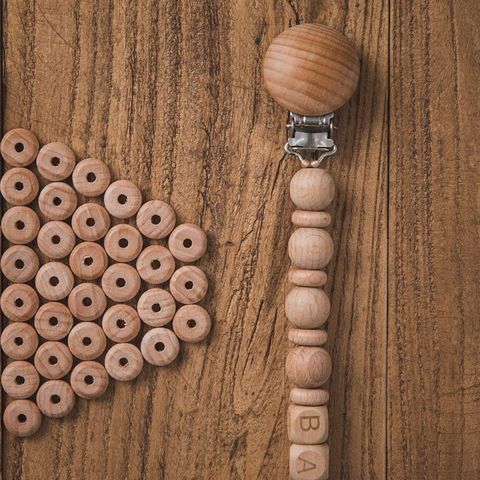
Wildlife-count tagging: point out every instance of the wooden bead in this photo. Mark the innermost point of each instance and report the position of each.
(160, 346)
(53, 360)
(53, 321)
(55, 398)
(310, 248)
(122, 199)
(87, 341)
(187, 242)
(312, 338)
(304, 218)
(19, 147)
(121, 323)
(88, 260)
(56, 239)
(309, 462)
(308, 367)
(155, 264)
(55, 161)
(192, 323)
(19, 302)
(57, 201)
(19, 186)
(123, 243)
(156, 307)
(89, 380)
(91, 177)
(20, 379)
(124, 362)
(188, 285)
(87, 302)
(309, 396)
(307, 278)
(156, 219)
(312, 189)
(19, 341)
(20, 225)
(311, 69)
(22, 418)
(120, 282)
(307, 307)
(307, 425)
(90, 222)
(19, 264)
(54, 281)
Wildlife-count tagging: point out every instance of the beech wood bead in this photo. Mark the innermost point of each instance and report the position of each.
(56, 239)
(307, 307)
(89, 380)
(192, 323)
(155, 264)
(123, 243)
(19, 186)
(55, 398)
(20, 379)
(88, 260)
(307, 278)
(87, 302)
(310, 248)
(188, 284)
(308, 367)
(20, 225)
(53, 360)
(57, 201)
(120, 282)
(160, 346)
(124, 362)
(312, 338)
(187, 242)
(303, 218)
(53, 321)
(122, 199)
(55, 161)
(312, 189)
(309, 396)
(307, 425)
(54, 281)
(156, 219)
(19, 302)
(19, 341)
(91, 177)
(309, 462)
(90, 222)
(19, 147)
(121, 323)
(87, 341)
(22, 418)
(156, 307)
(19, 263)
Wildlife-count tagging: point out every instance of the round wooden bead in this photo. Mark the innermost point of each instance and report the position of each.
(120, 282)
(20, 379)
(88, 260)
(121, 323)
(311, 69)
(55, 161)
(19, 147)
(155, 264)
(304, 218)
(123, 243)
(122, 199)
(87, 341)
(160, 346)
(310, 338)
(20, 225)
(19, 186)
(22, 418)
(55, 398)
(53, 321)
(310, 248)
(188, 284)
(312, 189)
(54, 281)
(156, 307)
(90, 222)
(192, 323)
(124, 362)
(307, 278)
(57, 201)
(91, 177)
(309, 396)
(156, 219)
(53, 360)
(56, 239)
(89, 380)
(187, 242)
(308, 367)
(19, 302)
(19, 263)
(19, 341)
(307, 307)
(87, 302)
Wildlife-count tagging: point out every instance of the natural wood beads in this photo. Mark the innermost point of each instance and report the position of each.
(187, 242)
(309, 396)
(53, 360)
(20, 225)
(156, 307)
(55, 161)
(91, 177)
(57, 201)
(308, 367)
(56, 239)
(156, 219)
(89, 380)
(87, 302)
(55, 398)
(90, 222)
(192, 323)
(19, 264)
(123, 243)
(155, 264)
(188, 284)
(307, 425)
(19, 302)
(87, 341)
(19, 186)
(122, 199)
(120, 282)
(22, 418)
(53, 321)
(160, 346)
(19, 341)
(121, 323)
(307, 307)
(304, 218)
(20, 379)
(312, 189)
(309, 462)
(307, 278)
(313, 338)
(124, 362)
(54, 281)
(88, 260)
(310, 248)
(19, 147)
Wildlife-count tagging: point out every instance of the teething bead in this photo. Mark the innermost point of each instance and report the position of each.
(310, 248)
(19, 186)
(124, 362)
(160, 346)
(155, 264)
(54, 281)
(19, 264)
(89, 380)
(90, 222)
(187, 242)
(53, 360)
(22, 418)
(307, 307)
(122, 199)
(188, 284)
(55, 398)
(308, 367)
(19, 147)
(20, 225)
(87, 302)
(56, 239)
(312, 338)
(87, 341)
(309, 462)
(120, 282)
(156, 307)
(57, 201)
(121, 323)
(307, 425)
(312, 189)
(123, 243)
(304, 218)
(192, 323)
(19, 302)
(309, 396)
(20, 379)
(19, 341)
(307, 278)
(91, 177)
(156, 219)
(88, 260)
(55, 161)
(53, 321)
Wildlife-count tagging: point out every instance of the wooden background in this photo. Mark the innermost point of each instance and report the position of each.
(170, 95)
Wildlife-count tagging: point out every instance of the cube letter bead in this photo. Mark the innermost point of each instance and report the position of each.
(307, 425)
(309, 462)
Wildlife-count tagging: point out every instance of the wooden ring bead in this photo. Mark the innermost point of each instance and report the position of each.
(309, 396)
(87, 341)
(19, 147)
(91, 177)
(124, 362)
(19, 302)
(20, 225)
(57, 201)
(155, 264)
(304, 218)
(308, 367)
(307, 278)
(55, 161)
(87, 302)
(88, 260)
(156, 219)
(192, 323)
(122, 199)
(90, 222)
(53, 321)
(53, 360)
(156, 307)
(22, 418)
(89, 379)
(307, 425)
(121, 323)
(160, 346)
(20, 379)
(310, 338)
(19, 341)
(54, 281)
(307, 307)
(187, 242)
(19, 186)
(312, 189)
(56, 239)
(310, 248)
(123, 243)
(55, 398)
(121, 282)
(19, 263)
(188, 284)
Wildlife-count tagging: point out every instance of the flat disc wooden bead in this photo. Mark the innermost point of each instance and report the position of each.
(304, 218)
(19, 147)
(90, 222)
(19, 302)
(88, 260)
(312, 338)
(19, 186)
(56, 239)
(123, 243)
(53, 321)
(312, 189)
(122, 199)
(188, 285)
(19, 264)
(310, 248)
(124, 362)
(57, 201)
(307, 425)
(187, 242)
(307, 307)
(91, 177)
(307, 278)
(309, 462)
(54, 281)
(121, 282)
(53, 360)
(155, 264)
(20, 225)
(89, 380)
(87, 341)
(156, 219)
(55, 398)
(156, 307)
(19, 341)
(308, 367)
(192, 323)
(87, 302)
(309, 396)
(20, 379)
(22, 418)
(160, 346)
(121, 323)
(55, 161)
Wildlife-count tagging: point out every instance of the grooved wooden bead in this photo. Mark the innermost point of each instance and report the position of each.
(20, 379)
(57, 201)
(312, 338)
(307, 425)
(91, 177)
(309, 462)
(156, 307)
(56, 239)
(310, 248)
(307, 278)
(192, 323)
(19, 147)
(53, 360)
(124, 362)
(19, 264)
(55, 398)
(122, 199)
(120, 282)
(19, 341)
(121, 323)
(89, 380)
(312, 189)
(308, 367)
(19, 302)
(22, 418)
(55, 161)
(53, 321)
(20, 225)
(156, 219)
(54, 281)
(304, 218)
(188, 284)
(88, 260)
(307, 307)
(309, 396)
(160, 346)
(19, 186)
(187, 242)
(87, 341)
(87, 302)
(90, 222)
(123, 243)
(155, 264)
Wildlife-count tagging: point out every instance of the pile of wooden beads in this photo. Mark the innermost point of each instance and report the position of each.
(86, 281)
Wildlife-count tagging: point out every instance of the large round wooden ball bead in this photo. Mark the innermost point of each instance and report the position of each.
(88, 260)
(53, 321)
(19, 186)
(155, 264)
(20, 379)
(57, 201)
(19, 341)
(20, 225)
(312, 189)
(55, 398)
(122, 199)
(160, 346)
(308, 367)
(188, 284)
(307, 307)
(56, 239)
(87, 302)
(121, 282)
(19, 263)
(19, 302)
(156, 219)
(192, 323)
(123, 243)
(53, 360)
(89, 379)
(22, 418)
(90, 222)
(91, 177)
(310, 248)
(156, 307)
(311, 69)
(55, 161)
(19, 147)
(121, 323)
(124, 362)
(87, 341)
(54, 281)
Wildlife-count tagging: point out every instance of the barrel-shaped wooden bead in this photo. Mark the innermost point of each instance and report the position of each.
(309, 219)
(156, 307)
(22, 418)
(310, 248)
(188, 284)
(19, 186)
(90, 222)
(19, 302)
(309, 396)
(19, 264)
(57, 201)
(122, 199)
(309, 462)
(55, 398)
(307, 278)
(188, 242)
(55, 161)
(19, 341)
(53, 360)
(87, 341)
(121, 282)
(312, 338)
(121, 323)
(312, 189)
(160, 346)
(156, 219)
(307, 425)
(308, 367)
(19, 147)
(54, 281)
(124, 362)
(155, 264)
(56, 239)
(20, 379)
(307, 307)
(192, 323)
(91, 177)
(87, 302)
(20, 225)
(88, 260)
(123, 243)
(89, 379)
(53, 321)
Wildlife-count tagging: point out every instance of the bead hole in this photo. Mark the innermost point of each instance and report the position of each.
(156, 219)
(55, 161)
(120, 282)
(90, 222)
(19, 147)
(52, 360)
(156, 307)
(19, 186)
(91, 177)
(55, 239)
(53, 321)
(18, 302)
(123, 243)
(159, 346)
(55, 399)
(57, 201)
(22, 418)
(54, 281)
(121, 323)
(87, 301)
(88, 379)
(19, 380)
(19, 225)
(123, 362)
(155, 264)
(86, 341)
(191, 323)
(189, 285)
(122, 199)
(187, 243)
(87, 261)
(19, 264)
(18, 341)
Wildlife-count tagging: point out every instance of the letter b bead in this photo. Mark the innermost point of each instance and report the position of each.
(307, 425)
